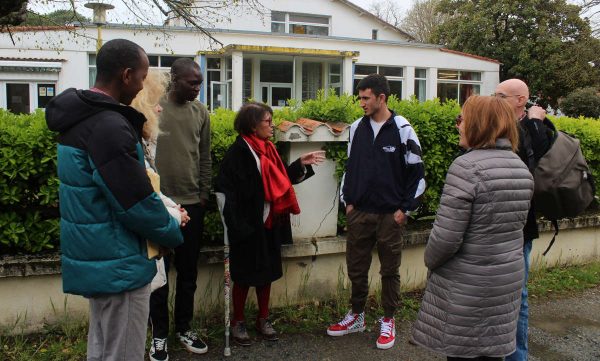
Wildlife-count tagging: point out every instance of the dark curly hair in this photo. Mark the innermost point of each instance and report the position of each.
(249, 116)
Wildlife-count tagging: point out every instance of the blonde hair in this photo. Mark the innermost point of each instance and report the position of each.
(487, 118)
(147, 99)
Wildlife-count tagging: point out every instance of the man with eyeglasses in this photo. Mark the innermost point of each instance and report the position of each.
(534, 141)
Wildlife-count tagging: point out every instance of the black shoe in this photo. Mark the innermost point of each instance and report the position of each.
(192, 342)
(158, 350)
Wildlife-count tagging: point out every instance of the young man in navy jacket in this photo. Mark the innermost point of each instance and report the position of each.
(384, 181)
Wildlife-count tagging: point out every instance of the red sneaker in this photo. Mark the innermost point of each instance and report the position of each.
(387, 335)
(353, 322)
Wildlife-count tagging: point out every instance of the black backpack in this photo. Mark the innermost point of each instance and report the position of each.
(564, 186)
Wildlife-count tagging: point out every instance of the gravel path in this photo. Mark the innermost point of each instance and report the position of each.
(561, 329)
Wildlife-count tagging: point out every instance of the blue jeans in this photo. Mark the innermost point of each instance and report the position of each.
(521, 352)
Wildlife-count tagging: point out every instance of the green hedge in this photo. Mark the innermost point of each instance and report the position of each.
(28, 182)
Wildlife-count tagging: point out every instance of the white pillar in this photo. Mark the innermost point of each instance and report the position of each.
(237, 79)
(432, 83)
(409, 82)
(347, 75)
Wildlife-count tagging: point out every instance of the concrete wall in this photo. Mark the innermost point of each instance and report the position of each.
(30, 287)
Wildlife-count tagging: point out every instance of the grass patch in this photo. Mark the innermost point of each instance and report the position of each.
(563, 280)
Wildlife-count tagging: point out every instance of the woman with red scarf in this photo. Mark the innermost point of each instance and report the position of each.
(259, 199)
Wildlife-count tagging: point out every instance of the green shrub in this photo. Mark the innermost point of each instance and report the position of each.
(28, 184)
(583, 102)
(587, 130)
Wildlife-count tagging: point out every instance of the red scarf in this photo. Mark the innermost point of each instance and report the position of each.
(277, 186)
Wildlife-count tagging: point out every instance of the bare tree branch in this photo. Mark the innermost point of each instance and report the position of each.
(201, 15)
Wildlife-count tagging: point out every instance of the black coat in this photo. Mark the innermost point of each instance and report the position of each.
(534, 141)
(255, 252)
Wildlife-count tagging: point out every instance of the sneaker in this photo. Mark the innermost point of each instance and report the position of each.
(387, 334)
(158, 350)
(240, 334)
(265, 328)
(353, 322)
(192, 342)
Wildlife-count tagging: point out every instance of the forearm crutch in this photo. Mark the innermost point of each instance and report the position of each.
(227, 275)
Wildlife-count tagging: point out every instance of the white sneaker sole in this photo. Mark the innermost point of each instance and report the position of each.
(345, 332)
(385, 346)
(191, 349)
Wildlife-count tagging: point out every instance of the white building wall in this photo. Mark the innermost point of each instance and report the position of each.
(345, 21)
(187, 43)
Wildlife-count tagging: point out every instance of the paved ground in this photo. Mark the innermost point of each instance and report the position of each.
(564, 329)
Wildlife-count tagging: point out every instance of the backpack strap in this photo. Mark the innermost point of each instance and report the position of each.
(555, 224)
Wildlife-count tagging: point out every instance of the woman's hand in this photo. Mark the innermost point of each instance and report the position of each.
(313, 158)
(184, 216)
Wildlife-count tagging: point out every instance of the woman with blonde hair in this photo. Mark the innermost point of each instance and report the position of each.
(474, 253)
(147, 103)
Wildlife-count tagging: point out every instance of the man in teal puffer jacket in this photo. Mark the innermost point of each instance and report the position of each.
(107, 204)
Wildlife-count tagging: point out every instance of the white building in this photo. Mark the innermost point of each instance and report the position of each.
(290, 52)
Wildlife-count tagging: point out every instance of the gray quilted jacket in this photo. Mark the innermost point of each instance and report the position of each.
(475, 256)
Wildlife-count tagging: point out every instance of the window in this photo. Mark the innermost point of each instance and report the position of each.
(421, 84)
(374, 34)
(17, 98)
(394, 75)
(247, 80)
(45, 92)
(213, 76)
(312, 79)
(299, 23)
(335, 78)
(273, 71)
(161, 62)
(458, 85)
(276, 81)
(25, 97)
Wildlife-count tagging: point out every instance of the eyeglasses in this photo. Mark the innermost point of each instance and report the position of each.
(504, 96)
(458, 120)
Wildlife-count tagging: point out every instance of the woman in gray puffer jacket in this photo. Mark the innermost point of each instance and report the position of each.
(474, 253)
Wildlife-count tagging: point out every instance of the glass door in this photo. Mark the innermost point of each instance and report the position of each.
(219, 91)
(276, 95)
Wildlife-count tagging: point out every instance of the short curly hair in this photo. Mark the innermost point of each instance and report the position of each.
(249, 116)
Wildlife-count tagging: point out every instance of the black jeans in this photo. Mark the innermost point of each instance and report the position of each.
(185, 260)
(480, 358)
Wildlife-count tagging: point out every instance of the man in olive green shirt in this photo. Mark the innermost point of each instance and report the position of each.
(184, 165)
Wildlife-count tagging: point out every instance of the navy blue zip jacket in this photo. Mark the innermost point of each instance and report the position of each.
(107, 205)
(383, 173)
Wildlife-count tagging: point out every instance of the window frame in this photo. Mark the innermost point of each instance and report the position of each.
(390, 78)
(288, 23)
(459, 81)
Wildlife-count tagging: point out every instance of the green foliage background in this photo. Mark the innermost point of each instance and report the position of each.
(582, 102)
(545, 43)
(29, 185)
